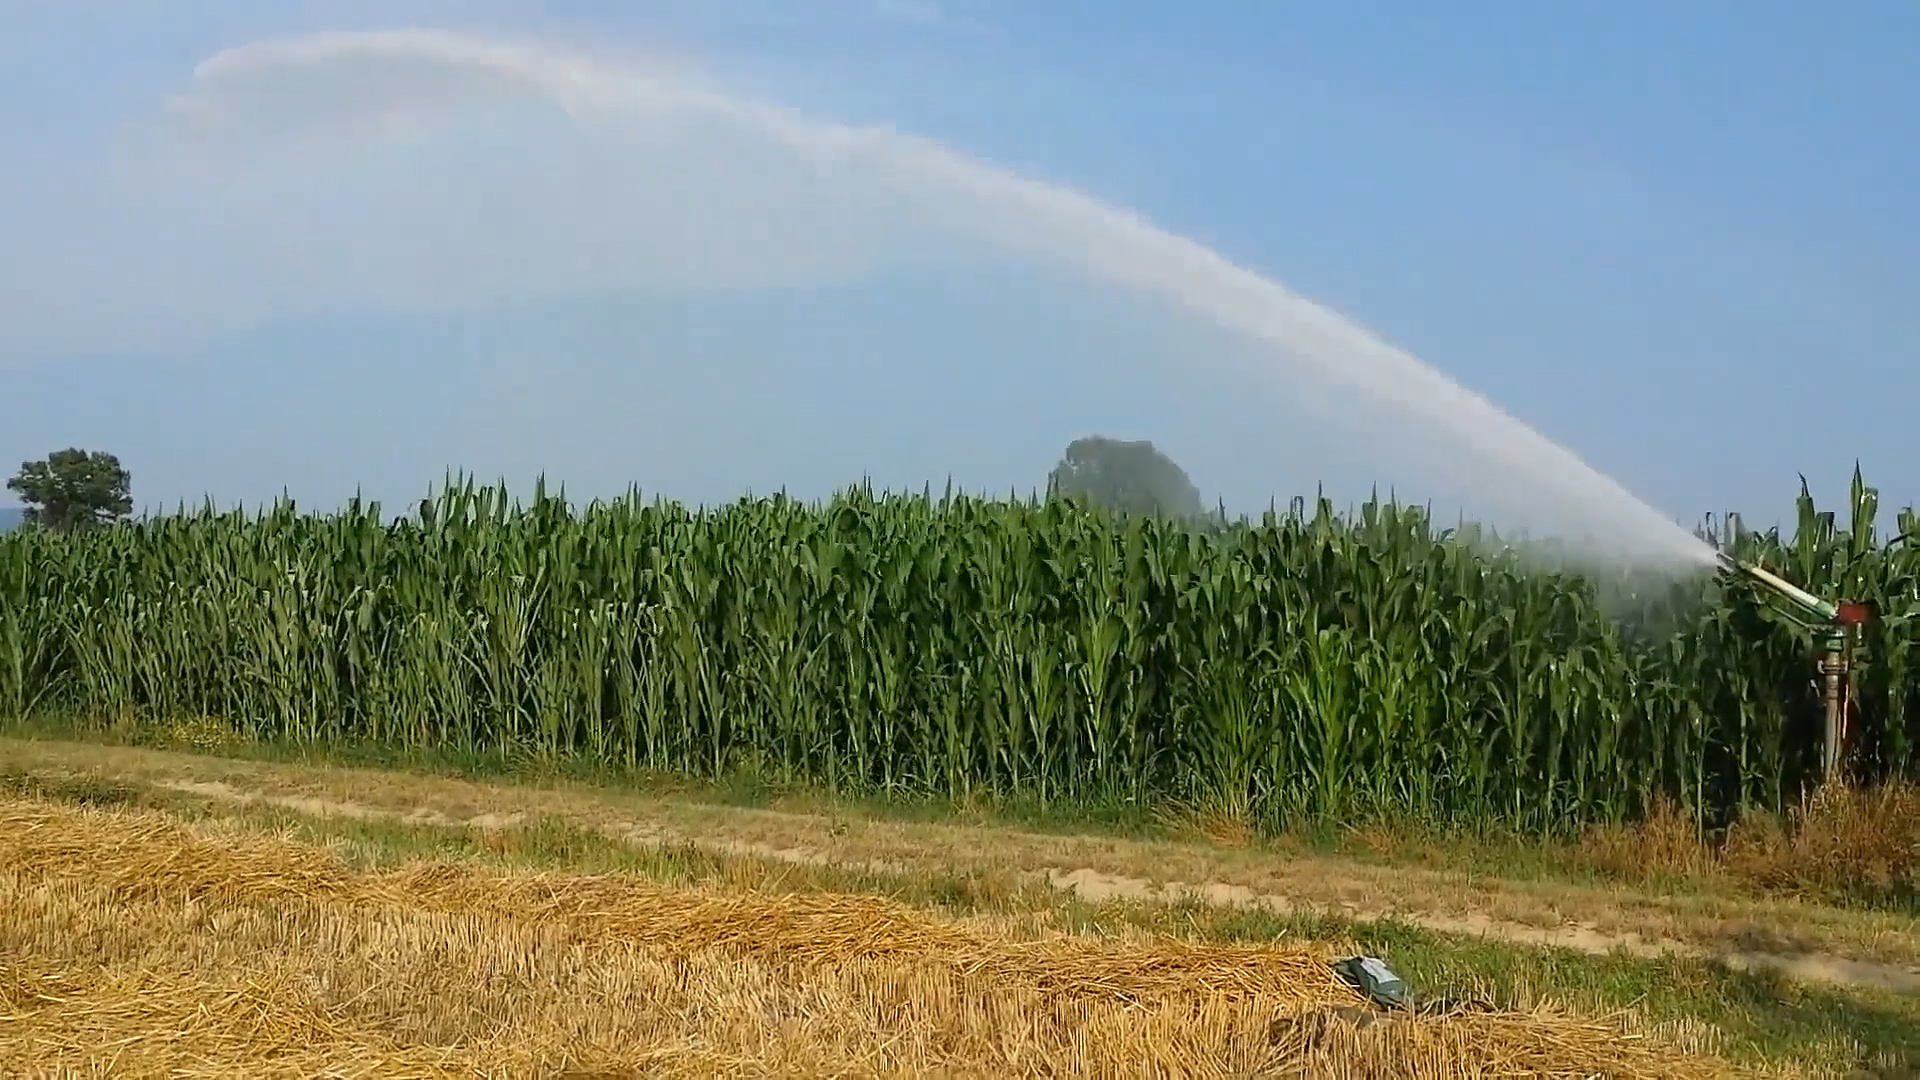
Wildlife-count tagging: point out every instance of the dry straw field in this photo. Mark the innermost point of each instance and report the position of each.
(142, 943)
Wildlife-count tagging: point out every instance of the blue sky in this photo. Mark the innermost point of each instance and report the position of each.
(1655, 232)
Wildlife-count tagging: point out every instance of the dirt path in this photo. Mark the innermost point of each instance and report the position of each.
(1808, 942)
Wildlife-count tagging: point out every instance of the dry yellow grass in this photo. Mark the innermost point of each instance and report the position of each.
(1843, 844)
(139, 944)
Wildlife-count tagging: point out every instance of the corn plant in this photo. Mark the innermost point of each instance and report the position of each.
(1302, 664)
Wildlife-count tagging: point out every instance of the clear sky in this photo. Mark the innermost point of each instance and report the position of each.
(1677, 238)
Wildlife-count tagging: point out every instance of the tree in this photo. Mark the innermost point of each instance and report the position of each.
(74, 489)
(1125, 477)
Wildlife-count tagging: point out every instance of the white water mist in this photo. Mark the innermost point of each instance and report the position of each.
(397, 81)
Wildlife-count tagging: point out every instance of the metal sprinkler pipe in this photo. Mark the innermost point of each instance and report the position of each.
(1833, 667)
(1810, 605)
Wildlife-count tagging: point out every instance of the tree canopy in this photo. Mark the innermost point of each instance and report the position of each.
(74, 489)
(1123, 476)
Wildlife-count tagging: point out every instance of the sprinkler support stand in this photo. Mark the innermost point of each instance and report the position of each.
(1833, 626)
(1833, 687)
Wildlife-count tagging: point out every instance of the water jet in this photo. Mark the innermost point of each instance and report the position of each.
(343, 93)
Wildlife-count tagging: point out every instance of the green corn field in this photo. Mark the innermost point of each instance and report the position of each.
(1299, 666)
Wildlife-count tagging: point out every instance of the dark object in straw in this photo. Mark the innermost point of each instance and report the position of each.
(1372, 977)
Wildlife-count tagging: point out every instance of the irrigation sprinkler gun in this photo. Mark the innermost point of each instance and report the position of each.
(1835, 627)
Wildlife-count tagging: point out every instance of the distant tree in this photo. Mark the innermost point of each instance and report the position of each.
(1124, 476)
(74, 489)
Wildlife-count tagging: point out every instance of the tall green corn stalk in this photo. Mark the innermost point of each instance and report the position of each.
(1305, 664)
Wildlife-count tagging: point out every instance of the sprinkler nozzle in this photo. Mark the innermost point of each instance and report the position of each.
(1794, 594)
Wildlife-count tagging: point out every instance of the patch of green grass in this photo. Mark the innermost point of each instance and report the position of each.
(1760, 1018)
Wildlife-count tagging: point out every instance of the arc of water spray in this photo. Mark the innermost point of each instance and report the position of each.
(1101, 240)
